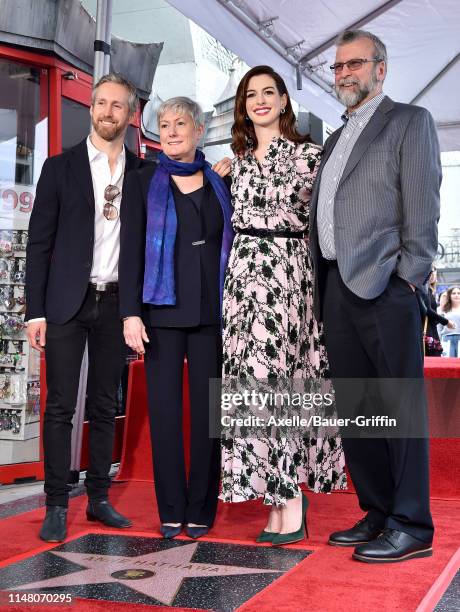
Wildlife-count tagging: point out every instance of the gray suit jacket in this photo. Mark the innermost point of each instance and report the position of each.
(387, 203)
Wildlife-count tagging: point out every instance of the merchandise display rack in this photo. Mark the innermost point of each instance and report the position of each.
(19, 367)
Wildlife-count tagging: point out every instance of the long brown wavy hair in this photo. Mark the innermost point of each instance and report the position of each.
(448, 305)
(243, 133)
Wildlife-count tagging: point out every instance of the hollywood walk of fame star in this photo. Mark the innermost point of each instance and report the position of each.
(158, 575)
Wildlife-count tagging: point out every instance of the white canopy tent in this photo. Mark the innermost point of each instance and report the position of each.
(296, 38)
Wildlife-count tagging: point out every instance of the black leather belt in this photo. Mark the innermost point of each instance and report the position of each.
(266, 233)
(108, 288)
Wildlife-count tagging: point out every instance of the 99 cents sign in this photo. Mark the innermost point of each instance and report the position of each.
(16, 203)
(17, 198)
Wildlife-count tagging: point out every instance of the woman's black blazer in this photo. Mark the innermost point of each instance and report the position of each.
(196, 266)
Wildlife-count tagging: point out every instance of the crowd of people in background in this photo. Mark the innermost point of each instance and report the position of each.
(449, 307)
(441, 314)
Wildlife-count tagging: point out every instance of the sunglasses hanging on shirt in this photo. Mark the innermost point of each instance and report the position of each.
(110, 210)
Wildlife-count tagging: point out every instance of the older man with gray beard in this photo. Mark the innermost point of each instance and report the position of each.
(373, 220)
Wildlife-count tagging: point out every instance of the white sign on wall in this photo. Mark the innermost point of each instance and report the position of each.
(16, 203)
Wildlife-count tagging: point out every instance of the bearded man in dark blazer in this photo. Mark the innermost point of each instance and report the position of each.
(373, 219)
(72, 298)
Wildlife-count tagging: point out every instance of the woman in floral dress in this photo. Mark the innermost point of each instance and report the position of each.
(269, 328)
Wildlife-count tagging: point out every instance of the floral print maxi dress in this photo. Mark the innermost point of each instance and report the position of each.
(269, 327)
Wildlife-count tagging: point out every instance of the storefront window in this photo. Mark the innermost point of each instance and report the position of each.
(76, 123)
(23, 150)
(131, 139)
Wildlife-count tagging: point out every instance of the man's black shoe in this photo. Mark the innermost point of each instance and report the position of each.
(54, 528)
(392, 546)
(364, 531)
(105, 513)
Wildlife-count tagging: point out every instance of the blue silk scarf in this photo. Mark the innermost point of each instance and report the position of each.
(159, 284)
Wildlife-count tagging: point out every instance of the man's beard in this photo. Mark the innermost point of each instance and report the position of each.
(352, 98)
(105, 132)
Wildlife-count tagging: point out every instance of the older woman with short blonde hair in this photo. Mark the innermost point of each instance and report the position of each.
(175, 239)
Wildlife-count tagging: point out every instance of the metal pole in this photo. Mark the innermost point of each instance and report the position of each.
(103, 39)
(108, 36)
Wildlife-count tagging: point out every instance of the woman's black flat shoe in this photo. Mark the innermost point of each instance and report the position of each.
(196, 532)
(169, 532)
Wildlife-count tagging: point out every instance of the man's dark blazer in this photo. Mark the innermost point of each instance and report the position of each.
(386, 207)
(196, 267)
(61, 235)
